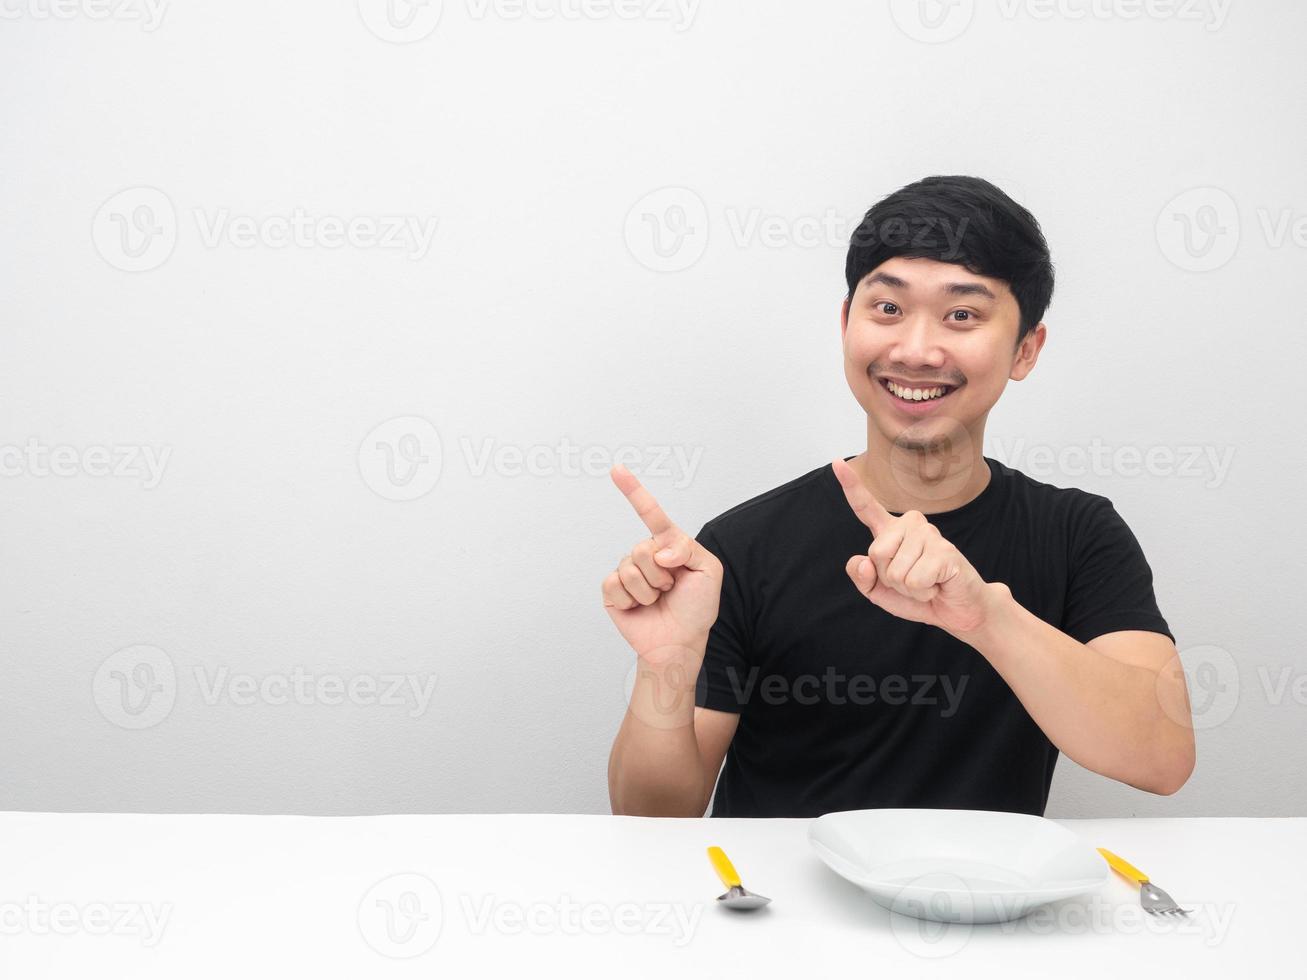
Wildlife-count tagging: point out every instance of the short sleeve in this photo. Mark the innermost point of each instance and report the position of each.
(724, 675)
(1109, 582)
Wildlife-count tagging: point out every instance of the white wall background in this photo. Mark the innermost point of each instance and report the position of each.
(540, 315)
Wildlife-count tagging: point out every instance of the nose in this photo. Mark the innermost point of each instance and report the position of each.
(916, 343)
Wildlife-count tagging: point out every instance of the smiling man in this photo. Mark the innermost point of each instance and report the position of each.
(917, 625)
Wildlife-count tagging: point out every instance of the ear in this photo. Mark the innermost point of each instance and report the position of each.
(844, 318)
(1028, 352)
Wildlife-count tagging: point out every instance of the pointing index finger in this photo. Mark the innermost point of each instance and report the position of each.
(869, 510)
(642, 500)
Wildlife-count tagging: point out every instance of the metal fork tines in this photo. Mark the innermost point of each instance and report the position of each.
(1157, 901)
(1154, 900)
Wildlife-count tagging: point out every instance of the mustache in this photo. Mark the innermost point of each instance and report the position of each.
(876, 371)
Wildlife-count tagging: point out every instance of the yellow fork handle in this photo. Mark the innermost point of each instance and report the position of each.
(722, 865)
(1122, 866)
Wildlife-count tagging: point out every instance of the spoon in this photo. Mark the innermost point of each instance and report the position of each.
(737, 897)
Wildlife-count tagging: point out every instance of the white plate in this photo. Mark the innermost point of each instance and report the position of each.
(957, 865)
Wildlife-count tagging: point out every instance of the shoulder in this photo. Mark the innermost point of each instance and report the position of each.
(1071, 502)
(1075, 516)
(799, 496)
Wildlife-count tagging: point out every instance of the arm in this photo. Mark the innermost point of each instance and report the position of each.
(1116, 705)
(667, 754)
(664, 598)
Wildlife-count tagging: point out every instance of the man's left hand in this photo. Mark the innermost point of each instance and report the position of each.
(910, 571)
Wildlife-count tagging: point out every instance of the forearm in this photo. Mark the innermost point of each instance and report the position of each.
(655, 767)
(1105, 715)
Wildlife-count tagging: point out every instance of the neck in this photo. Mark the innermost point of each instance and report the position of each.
(931, 480)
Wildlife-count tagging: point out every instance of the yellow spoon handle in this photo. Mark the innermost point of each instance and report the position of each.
(722, 865)
(1121, 865)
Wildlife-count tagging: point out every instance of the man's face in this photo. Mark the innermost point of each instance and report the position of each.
(928, 349)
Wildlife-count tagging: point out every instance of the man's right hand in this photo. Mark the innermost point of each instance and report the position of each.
(664, 594)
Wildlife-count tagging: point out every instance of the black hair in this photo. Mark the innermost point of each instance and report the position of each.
(964, 220)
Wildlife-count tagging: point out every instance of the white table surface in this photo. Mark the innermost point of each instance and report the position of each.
(186, 896)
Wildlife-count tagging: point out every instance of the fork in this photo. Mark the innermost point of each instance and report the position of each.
(1153, 899)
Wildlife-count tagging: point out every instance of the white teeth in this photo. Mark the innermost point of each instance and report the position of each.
(914, 394)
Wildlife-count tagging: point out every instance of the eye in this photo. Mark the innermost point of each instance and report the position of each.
(893, 307)
(967, 315)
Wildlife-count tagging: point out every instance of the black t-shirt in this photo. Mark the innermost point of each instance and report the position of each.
(843, 706)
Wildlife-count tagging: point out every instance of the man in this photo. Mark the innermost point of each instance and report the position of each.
(917, 625)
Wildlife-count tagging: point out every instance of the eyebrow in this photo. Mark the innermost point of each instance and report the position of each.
(950, 289)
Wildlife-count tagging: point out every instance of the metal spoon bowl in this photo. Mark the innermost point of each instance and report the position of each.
(741, 900)
(738, 897)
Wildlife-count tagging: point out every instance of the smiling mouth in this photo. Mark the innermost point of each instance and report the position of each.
(918, 393)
